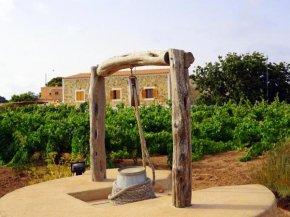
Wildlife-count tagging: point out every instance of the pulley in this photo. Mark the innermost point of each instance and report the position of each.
(133, 86)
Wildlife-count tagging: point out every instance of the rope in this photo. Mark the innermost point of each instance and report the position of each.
(141, 191)
(145, 153)
(133, 193)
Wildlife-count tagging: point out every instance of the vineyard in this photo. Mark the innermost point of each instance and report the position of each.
(65, 129)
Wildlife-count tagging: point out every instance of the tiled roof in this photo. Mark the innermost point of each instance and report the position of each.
(125, 73)
(54, 87)
(142, 72)
(80, 75)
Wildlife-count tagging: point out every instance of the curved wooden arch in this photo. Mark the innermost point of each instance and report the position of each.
(179, 62)
(144, 58)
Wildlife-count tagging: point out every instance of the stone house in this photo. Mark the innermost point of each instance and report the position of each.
(154, 87)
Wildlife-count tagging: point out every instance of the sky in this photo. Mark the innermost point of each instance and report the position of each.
(67, 37)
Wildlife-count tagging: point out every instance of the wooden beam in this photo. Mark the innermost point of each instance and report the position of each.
(181, 128)
(97, 97)
(144, 58)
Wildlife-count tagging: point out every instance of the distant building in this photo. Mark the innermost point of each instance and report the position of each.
(154, 86)
(51, 94)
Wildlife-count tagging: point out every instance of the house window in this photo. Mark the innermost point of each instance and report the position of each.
(149, 93)
(115, 94)
(56, 93)
(80, 96)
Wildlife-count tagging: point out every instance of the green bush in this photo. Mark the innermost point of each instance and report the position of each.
(119, 155)
(246, 127)
(64, 128)
(29, 96)
(239, 127)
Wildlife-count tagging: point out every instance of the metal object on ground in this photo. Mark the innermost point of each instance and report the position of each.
(132, 175)
(79, 168)
(132, 185)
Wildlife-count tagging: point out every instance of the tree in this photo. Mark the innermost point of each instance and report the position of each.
(242, 77)
(29, 96)
(55, 82)
(3, 100)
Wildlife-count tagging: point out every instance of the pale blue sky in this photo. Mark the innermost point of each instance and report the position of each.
(70, 36)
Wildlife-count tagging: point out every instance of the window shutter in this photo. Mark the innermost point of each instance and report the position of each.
(111, 94)
(118, 92)
(155, 93)
(78, 96)
(143, 93)
(82, 97)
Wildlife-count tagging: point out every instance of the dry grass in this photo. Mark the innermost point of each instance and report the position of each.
(275, 170)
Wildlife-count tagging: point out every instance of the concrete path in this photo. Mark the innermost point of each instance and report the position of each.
(78, 196)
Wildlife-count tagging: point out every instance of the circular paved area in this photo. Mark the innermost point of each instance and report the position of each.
(69, 197)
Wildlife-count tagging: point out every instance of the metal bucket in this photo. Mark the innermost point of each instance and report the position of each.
(131, 175)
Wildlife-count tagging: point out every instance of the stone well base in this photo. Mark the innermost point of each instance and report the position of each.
(78, 196)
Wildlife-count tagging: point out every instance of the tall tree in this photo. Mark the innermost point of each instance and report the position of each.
(29, 96)
(55, 82)
(238, 77)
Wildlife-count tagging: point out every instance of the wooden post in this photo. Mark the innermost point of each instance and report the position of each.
(181, 128)
(97, 98)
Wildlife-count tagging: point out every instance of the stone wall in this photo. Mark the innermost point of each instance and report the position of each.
(193, 94)
(160, 82)
(71, 85)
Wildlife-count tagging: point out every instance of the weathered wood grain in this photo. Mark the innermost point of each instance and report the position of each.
(181, 130)
(144, 58)
(97, 98)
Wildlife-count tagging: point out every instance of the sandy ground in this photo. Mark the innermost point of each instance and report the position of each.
(212, 170)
